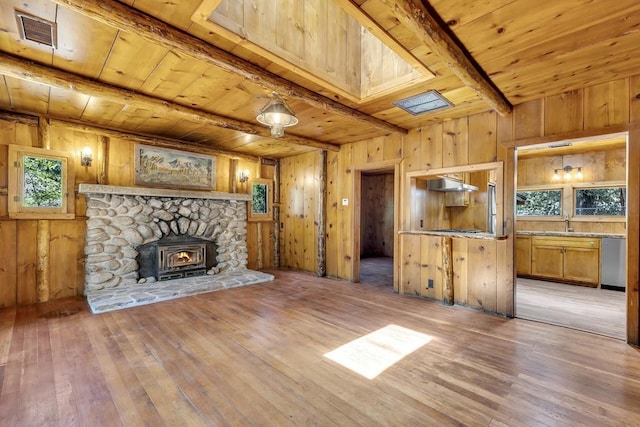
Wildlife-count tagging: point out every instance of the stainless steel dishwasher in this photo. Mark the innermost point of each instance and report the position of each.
(613, 263)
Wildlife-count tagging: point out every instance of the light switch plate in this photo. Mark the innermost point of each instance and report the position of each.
(345, 202)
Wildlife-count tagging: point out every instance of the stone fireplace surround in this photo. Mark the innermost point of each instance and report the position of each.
(119, 219)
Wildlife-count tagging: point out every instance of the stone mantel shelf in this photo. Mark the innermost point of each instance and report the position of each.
(160, 192)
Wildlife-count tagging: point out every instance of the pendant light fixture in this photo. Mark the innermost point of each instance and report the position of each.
(277, 115)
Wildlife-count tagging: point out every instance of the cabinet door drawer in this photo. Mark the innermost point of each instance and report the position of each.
(523, 255)
(547, 262)
(582, 265)
(569, 242)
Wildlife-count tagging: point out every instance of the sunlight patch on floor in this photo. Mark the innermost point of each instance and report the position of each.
(371, 354)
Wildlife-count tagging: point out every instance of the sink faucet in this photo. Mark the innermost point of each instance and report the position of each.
(567, 229)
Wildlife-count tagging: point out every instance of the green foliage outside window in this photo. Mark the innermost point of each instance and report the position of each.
(601, 201)
(539, 203)
(259, 199)
(42, 182)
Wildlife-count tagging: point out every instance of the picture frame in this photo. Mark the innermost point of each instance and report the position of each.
(261, 205)
(165, 167)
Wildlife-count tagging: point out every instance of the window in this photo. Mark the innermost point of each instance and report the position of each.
(610, 201)
(39, 183)
(539, 203)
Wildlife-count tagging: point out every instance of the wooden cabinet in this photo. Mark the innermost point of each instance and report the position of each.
(523, 255)
(546, 261)
(571, 259)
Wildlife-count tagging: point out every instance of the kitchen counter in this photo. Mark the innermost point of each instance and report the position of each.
(570, 234)
(457, 234)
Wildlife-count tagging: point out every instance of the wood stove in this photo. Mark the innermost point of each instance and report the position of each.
(185, 260)
(175, 257)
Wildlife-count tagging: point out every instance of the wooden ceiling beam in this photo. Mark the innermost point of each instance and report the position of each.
(24, 119)
(128, 19)
(149, 139)
(26, 70)
(420, 21)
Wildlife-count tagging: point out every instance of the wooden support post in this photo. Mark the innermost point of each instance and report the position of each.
(233, 171)
(259, 256)
(633, 237)
(44, 136)
(322, 215)
(43, 233)
(276, 215)
(447, 271)
(103, 154)
(43, 237)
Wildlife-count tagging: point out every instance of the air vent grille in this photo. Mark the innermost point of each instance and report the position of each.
(423, 103)
(36, 29)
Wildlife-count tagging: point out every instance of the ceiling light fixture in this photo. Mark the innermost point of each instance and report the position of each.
(277, 115)
(566, 173)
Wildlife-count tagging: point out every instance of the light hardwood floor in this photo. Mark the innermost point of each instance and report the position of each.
(600, 311)
(255, 356)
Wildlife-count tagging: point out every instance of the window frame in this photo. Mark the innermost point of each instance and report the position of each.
(15, 203)
(555, 187)
(603, 184)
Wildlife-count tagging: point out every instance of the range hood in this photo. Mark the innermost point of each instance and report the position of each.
(449, 185)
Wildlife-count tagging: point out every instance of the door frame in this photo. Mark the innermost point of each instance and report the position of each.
(356, 173)
(632, 290)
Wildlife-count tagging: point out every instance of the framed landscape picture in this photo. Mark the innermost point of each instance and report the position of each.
(163, 167)
(261, 195)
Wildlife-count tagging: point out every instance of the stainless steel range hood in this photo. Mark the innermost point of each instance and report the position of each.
(449, 185)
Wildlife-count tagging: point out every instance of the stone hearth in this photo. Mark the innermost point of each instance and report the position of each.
(120, 219)
(110, 299)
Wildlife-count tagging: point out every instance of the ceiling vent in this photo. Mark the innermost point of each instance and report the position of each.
(37, 30)
(423, 103)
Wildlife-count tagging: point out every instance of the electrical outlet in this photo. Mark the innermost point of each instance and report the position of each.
(430, 283)
(345, 202)
(421, 223)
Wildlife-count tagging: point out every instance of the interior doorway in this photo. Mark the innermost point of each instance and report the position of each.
(376, 224)
(377, 228)
(571, 216)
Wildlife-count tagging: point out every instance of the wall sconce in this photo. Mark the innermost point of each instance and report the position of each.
(243, 176)
(277, 115)
(86, 157)
(566, 173)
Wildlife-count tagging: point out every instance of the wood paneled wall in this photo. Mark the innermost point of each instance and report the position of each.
(480, 280)
(299, 193)
(376, 153)
(18, 237)
(376, 222)
(483, 270)
(67, 237)
(260, 235)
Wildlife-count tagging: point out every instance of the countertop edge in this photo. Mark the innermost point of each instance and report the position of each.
(475, 236)
(570, 234)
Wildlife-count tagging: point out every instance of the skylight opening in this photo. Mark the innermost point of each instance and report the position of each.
(373, 353)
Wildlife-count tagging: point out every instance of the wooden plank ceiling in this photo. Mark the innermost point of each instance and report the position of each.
(527, 48)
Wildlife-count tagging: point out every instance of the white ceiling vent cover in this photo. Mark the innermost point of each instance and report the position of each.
(37, 30)
(423, 103)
